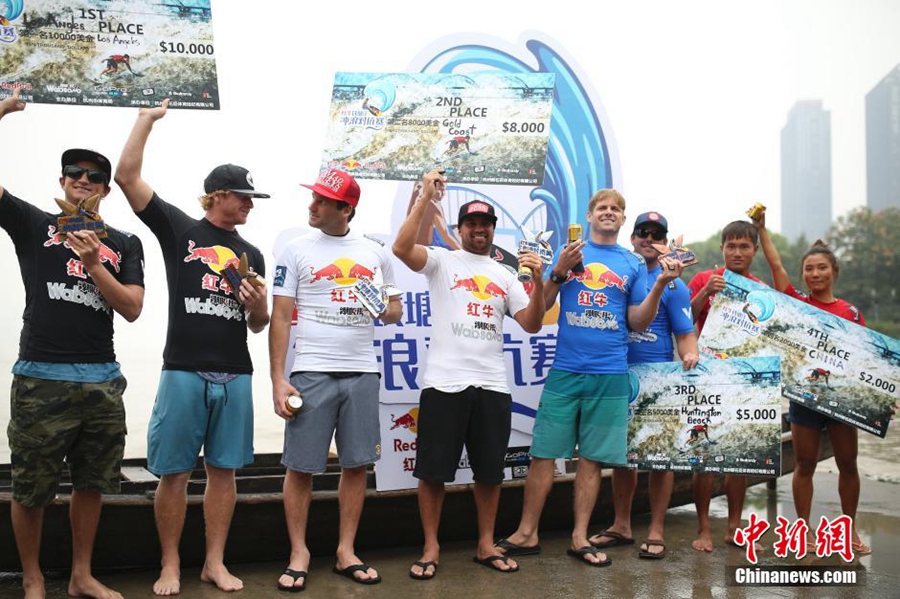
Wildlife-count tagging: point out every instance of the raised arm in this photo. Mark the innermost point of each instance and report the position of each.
(128, 172)
(779, 275)
(405, 247)
(10, 104)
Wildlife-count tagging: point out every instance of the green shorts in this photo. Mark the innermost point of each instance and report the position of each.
(83, 423)
(587, 410)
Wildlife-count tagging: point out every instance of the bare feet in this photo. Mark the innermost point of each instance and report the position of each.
(169, 582)
(34, 588)
(703, 542)
(347, 559)
(89, 586)
(221, 577)
(300, 563)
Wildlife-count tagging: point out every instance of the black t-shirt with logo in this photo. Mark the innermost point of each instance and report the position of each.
(207, 324)
(66, 318)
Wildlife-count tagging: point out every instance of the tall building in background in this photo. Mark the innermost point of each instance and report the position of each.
(806, 171)
(883, 143)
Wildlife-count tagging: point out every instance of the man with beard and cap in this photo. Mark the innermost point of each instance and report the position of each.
(335, 370)
(205, 395)
(465, 398)
(66, 400)
(653, 345)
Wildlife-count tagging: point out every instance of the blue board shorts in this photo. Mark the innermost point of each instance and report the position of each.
(339, 405)
(589, 411)
(191, 412)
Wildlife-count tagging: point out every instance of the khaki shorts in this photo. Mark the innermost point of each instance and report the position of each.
(83, 423)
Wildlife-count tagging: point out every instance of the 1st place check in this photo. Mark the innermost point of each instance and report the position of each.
(478, 128)
(723, 417)
(829, 364)
(109, 52)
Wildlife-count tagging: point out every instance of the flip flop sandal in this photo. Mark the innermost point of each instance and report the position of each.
(488, 562)
(424, 575)
(295, 575)
(647, 554)
(511, 549)
(618, 539)
(349, 570)
(580, 554)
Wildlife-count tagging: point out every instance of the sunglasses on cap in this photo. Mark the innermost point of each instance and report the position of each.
(653, 232)
(74, 172)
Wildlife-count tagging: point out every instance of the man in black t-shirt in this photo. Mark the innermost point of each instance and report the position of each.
(204, 396)
(66, 399)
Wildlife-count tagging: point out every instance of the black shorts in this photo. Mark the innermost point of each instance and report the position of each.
(476, 417)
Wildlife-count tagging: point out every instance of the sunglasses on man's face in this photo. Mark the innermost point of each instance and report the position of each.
(654, 233)
(75, 172)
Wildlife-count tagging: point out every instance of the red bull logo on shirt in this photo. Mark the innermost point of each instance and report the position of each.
(216, 257)
(107, 255)
(479, 286)
(598, 276)
(342, 271)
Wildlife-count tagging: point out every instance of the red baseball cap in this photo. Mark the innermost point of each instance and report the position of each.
(336, 185)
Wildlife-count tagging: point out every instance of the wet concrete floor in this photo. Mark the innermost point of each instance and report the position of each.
(683, 573)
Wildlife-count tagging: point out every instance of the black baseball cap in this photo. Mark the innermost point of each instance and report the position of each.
(476, 207)
(74, 155)
(654, 218)
(230, 177)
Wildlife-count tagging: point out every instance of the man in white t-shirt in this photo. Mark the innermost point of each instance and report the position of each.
(465, 398)
(335, 370)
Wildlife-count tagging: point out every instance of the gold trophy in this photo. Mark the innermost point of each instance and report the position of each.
(80, 217)
(574, 237)
(236, 274)
(537, 244)
(756, 211)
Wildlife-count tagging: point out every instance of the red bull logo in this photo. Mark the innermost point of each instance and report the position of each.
(107, 255)
(599, 276)
(479, 286)
(216, 257)
(342, 271)
(408, 421)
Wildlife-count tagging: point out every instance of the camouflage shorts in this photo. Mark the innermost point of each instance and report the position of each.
(83, 423)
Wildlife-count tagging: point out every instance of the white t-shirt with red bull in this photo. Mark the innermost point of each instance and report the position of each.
(469, 295)
(674, 316)
(335, 332)
(593, 331)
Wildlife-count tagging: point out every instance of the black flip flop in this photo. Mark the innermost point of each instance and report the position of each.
(295, 575)
(647, 554)
(511, 549)
(618, 539)
(424, 575)
(580, 554)
(488, 562)
(349, 570)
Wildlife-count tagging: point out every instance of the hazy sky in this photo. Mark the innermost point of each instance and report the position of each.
(695, 93)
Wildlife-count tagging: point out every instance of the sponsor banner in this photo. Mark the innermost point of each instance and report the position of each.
(829, 364)
(399, 438)
(109, 52)
(477, 127)
(723, 417)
